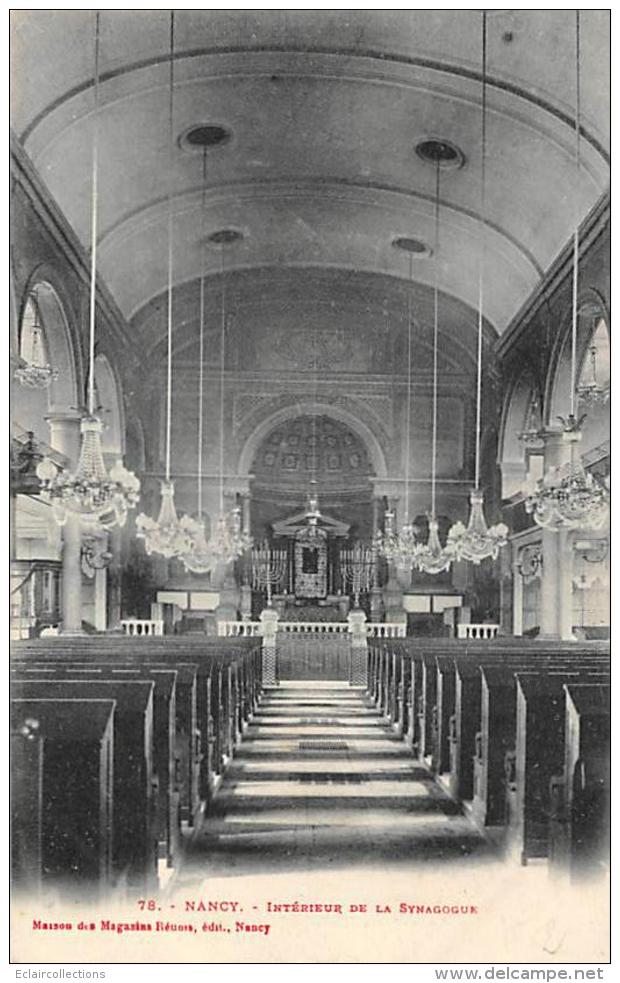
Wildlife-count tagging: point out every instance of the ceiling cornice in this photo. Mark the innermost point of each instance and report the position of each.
(383, 57)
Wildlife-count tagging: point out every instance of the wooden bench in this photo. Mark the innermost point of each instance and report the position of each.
(538, 755)
(134, 824)
(62, 817)
(163, 735)
(579, 827)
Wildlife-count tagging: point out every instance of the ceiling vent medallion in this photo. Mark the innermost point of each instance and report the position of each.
(440, 153)
(204, 136)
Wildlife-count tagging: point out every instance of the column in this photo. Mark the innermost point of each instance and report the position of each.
(517, 594)
(114, 579)
(565, 562)
(101, 619)
(549, 586)
(555, 584)
(65, 438)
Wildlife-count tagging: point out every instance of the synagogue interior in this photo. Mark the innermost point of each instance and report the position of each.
(310, 440)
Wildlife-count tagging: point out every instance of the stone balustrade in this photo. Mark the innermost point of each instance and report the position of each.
(386, 629)
(237, 629)
(142, 627)
(472, 631)
(231, 629)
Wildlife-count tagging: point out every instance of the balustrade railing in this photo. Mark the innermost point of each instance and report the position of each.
(386, 629)
(235, 629)
(142, 627)
(472, 631)
(231, 629)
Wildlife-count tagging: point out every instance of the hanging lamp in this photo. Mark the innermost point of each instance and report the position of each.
(568, 496)
(431, 557)
(167, 534)
(229, 539)
(200, 558)
(36, 373)
(97, 498)
(400, 546)
(478, 541)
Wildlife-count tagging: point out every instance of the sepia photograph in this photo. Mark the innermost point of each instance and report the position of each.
(310, 486)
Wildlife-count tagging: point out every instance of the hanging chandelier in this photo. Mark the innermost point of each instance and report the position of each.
(38, 373)
(431, 557)
(477, 541)
(400, 547)
(591, 392)
(167, 535)
(229, 540)
(95, 497)
(567, 496)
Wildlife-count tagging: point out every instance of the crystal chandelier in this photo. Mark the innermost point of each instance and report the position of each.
(477, 541)
(36, 374)
(591, 392)
(400, 547)
(567, 496)
(167, 535)
(95, 497)
(431, 557)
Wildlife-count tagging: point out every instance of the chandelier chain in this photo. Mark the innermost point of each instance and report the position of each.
(483, 163)
(170, 269)
(222, 353)
(408, 423)
(202, 331)
(93, 230)
(573, 371)
(435, 343)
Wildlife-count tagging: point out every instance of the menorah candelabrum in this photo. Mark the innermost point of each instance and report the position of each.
(358, 567)
(268, 568)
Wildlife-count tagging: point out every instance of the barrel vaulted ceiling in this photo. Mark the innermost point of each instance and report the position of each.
(325, 109)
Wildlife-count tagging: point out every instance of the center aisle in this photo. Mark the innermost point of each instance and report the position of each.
(320, 783)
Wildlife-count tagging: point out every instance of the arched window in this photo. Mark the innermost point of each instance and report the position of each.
(35, 371)
(594, 377)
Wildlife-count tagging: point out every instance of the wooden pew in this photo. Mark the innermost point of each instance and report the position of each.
(464, 723)
(134, 825)
(188, 746)
(579, 828)
(538, 755)
(496, 737)
(163, 736)
(67, 815)
(207, 653)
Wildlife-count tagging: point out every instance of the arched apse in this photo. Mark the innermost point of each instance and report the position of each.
(592, 321)
(110, 407)
(44, 337)
(310, 408)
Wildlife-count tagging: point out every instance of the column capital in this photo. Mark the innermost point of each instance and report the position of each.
(67, 417)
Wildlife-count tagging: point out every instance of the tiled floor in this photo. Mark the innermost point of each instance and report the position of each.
(319, 783)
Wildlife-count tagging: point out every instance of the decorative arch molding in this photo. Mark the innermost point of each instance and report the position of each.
(510, 450)
(557, 389)
(109, 391)
(304, 407)
(60, 321)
